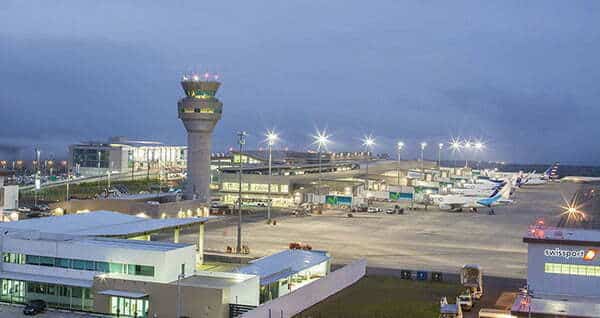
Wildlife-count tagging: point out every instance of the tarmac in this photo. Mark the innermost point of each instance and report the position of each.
(431, 239)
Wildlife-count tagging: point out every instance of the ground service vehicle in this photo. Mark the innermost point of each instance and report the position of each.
(450, 310)
(471, 277)
(465, 301)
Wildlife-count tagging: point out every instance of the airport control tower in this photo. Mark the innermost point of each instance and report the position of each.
(200, 111)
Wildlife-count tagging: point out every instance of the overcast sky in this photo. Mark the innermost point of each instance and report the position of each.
(522, 75)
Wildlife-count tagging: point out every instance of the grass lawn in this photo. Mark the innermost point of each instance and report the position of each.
(385, 296)
(85, 190)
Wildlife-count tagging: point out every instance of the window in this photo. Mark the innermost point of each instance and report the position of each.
(46, 261)
(144, 270)
(130, 269)
(32, 260)
(115, 268)
(102, 267)
(79, 264)
(572, 269)
(63, 262)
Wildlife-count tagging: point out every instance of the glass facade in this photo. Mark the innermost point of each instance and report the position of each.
(572, 269)
(88, 157)
(198, 93)
(255, 187)
(128, 307)
(79, 264)
(56, 295)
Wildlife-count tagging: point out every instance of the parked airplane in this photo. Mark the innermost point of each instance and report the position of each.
(458, 202)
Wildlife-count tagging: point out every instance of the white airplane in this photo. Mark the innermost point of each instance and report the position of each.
(458, 202)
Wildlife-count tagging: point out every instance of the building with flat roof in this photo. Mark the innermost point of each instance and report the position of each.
(104, 262)
(9, 196)
(120, 154)
(563, 274)
(288, 270)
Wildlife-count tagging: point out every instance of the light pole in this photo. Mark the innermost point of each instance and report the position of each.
(99, 174)
(368, 142)
(400, 146)
(440, 146)
(68, 178)
(455, 146)
(37, 180)
(478, 148)
(241, 141)
(468, 145)
(321, 139)
(271, 139)
(423, 145)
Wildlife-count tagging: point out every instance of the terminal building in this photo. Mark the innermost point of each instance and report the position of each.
(104, 262)
(120, 154)
(563, 275)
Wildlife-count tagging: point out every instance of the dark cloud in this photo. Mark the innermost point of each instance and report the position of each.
(522, 76)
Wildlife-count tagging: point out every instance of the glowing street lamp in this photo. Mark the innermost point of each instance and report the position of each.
(400, 146)
(423, 145)
(272, 137)
(440, 146)
(478, 146)
(468, 145)
(368, 142)
(321, 139)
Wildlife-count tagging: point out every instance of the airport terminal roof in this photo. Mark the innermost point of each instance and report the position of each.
(283, 264)
(99, 223)
(133, 244)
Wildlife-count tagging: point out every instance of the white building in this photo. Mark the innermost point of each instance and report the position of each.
(563, 274)
(85, 262)
(120, 154)
(9, 197)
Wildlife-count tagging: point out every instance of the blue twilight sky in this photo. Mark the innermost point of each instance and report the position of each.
(522, 75)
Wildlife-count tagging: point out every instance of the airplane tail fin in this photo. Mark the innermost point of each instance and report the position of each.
(552, 172)
(506, 191)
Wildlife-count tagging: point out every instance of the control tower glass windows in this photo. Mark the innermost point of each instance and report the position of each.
(200, 93)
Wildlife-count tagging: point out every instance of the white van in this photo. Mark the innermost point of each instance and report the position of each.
(494, 313)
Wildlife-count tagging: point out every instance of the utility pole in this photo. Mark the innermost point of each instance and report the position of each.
(241, 142)
(68, 178)
(400, 146)
(271, 139)
(423, 145)
(37, 180)
(99, 174)
(440, 146)
(148, 164)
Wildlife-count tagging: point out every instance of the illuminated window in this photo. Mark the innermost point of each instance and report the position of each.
(572, 269)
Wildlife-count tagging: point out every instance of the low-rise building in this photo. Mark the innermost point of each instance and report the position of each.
(104, 262)
(288, 270)
(9, 198)
(120, 154)
(563, 273)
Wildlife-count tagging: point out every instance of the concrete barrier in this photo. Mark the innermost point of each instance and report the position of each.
(303, 298)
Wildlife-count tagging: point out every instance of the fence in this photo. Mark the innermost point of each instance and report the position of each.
(295, 302)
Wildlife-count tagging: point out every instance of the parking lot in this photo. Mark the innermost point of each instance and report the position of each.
(430, 240)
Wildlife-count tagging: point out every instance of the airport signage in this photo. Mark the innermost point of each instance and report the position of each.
(338, 200)
(586, 255)
(399, 196)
